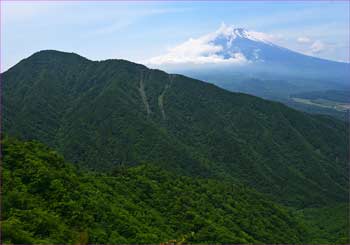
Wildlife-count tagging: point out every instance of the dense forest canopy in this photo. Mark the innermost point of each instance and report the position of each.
(48, 201)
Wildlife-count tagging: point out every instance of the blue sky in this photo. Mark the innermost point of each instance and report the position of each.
(138, 30)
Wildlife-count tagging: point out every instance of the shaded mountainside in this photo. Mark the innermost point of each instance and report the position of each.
(46, 200)
(114, 113)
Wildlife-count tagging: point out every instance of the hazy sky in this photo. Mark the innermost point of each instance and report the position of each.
(138, 31)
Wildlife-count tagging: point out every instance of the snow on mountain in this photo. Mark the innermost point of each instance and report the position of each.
(235, 46)
(220, 54)
(227, 45)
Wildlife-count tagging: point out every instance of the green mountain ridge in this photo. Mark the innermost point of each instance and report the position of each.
(161, 158)
(112, 113)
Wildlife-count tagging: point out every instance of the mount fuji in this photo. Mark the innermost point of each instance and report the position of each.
(231, 47)
(248, 61)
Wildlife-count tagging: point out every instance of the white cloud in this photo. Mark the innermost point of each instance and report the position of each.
(303, 40)
(317, 47)
(196, 51)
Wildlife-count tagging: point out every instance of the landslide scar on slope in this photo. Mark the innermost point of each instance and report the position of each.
(143, 93)
(161, 96)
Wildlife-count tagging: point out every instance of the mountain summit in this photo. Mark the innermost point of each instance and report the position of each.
(253, 46)
(231, 34)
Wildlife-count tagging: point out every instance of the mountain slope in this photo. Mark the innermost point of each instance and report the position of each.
(111, 113)
(46, 200)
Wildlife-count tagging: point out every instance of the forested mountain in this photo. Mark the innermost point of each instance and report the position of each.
(113, 115)
(110, 113)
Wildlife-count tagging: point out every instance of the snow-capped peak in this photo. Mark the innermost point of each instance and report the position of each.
(232, 33)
